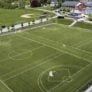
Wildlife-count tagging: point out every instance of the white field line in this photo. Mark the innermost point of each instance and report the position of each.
(45, 25)
(83, 42)
(21, 67)
(75, 45)
(33, 28)
(85, 51)
(6, 86)
(76, 74)
(87, 40)
(81, 29)
(25, 52)
(81, 70)
(43, 38)
(59, 50)
(41, 75)
(63, 80)
(48, 60)
(21, 54)
(83, 85)
(69, 46)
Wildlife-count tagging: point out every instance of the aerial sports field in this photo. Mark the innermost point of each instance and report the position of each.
(47, 58)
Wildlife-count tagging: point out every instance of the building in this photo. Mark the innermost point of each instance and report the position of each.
(88, 4)
(70, 4)
(54, 3)
(73, 3)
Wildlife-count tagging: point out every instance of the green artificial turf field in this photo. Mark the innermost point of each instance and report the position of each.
(52, 58)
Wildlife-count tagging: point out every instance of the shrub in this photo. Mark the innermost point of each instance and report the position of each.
(7, 5)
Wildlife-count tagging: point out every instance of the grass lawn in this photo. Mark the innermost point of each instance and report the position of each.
(78, 24)
(27, 58)
(13, 16)
(64, 21)
(84, 25)
(90, 15)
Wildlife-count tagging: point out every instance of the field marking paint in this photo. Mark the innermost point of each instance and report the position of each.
(61, 24)
(86, 52)
(45, 25)
(69, 46)
(44, 89)
(25, 52)
(83, 42)
(22, 53)
(83, 86)
(59, 50)
(75, 44)
(6, 86)
(72, 76)
(19, 54)
(81, 71)
(48, 60)
(69, 74)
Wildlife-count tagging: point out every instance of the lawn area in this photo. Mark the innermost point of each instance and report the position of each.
(4, 87)
(90, 15)
(27, 58)
(64, 21)
(13, 16)
(84, 25)
(78, 24)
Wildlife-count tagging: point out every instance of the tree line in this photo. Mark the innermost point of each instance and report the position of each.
(11, 4)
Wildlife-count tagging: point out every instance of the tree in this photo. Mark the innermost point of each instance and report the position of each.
(35, 3)
(7, 4)
(44, 2)
(21, 4)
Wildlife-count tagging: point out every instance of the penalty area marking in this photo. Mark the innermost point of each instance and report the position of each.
(18, 55)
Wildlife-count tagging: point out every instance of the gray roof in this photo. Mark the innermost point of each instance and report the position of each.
(70, 3)
(88, 4)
